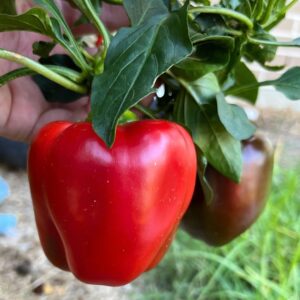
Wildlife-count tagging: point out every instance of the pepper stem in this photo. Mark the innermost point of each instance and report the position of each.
(42, 70)
(223, 11)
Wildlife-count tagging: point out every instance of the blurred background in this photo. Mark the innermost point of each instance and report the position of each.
(264, 263)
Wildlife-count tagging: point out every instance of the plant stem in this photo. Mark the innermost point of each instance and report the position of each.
(145, 111)
(223, 11)
(246, 88)
(93, 16)
(272, 43)
(42, 70)
(87, 55)
(258, 10)
(268, 12)
(98, 23)
(17, 73)
(117, 2)
(292, 3)
(270, 23)
(74, 76)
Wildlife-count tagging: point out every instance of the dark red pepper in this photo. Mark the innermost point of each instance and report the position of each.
(234, 207)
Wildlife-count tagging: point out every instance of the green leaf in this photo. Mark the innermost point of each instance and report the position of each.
(211, 25)
(135, 58)
(202, 90)
(42, 48)
(243, 76)
(288, 83)
(37, 20)
(144, 9)
(222, 151)
(260, 53)
(8, 7)
(234, 119)
(62, 33)
(210, 56)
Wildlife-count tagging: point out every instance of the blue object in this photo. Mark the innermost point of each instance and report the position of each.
(4, 190)
(7, 223)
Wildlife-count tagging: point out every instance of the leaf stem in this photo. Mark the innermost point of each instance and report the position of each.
(224, 11)
(292, 3)
(272, 43)
(268, 12)
(145, 111)
(270, 23)
(117, 2)
(68, 73)
(87, 55)
(246, 88)
(98, 23)
(42, 70)
(258, 10)
(242, 89)
(17, 73)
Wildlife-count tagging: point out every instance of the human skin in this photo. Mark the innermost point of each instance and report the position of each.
(23, 109)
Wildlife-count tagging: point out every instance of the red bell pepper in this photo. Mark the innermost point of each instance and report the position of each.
(108, 215)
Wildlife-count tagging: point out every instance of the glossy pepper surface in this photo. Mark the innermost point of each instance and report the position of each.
(108, 215)
(235, 206)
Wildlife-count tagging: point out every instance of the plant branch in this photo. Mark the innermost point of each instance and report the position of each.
(271, 22)
(272, 43)
(269, 11)
(117, 2)
(242, 89)
(42, 70)
(224, 11)
(21, 72)
(98, 23)
(290, 5)
(247, 88)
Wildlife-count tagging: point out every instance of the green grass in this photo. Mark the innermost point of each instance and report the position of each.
(264, 263)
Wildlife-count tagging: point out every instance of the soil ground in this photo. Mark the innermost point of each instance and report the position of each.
(25, 273)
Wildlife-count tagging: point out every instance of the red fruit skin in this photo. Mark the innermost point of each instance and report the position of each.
(234, 207)
(48, 234)
(115, 210)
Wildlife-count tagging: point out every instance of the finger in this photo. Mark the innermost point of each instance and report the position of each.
(61, 114)
(114, 16)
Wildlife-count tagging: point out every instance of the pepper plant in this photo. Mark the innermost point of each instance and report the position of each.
(198, 49)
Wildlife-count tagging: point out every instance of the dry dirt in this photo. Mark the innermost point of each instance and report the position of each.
(25, 273)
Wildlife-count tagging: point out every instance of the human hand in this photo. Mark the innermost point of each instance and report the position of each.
(23, 108)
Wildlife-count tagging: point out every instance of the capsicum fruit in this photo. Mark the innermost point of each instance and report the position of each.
(235, 206)
(109, 214)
